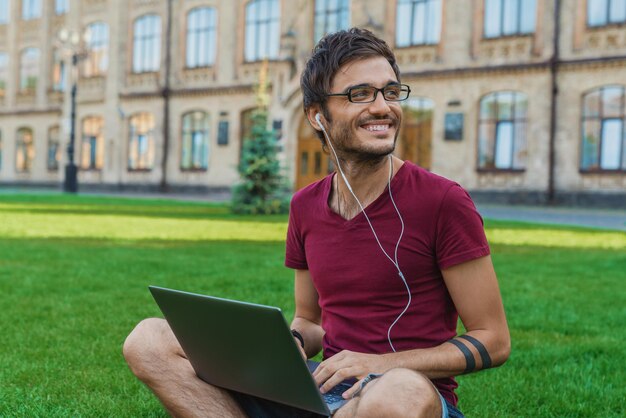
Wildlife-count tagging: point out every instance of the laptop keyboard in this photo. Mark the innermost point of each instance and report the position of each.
(334, 395)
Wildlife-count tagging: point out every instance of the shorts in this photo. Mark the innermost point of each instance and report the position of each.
(262, 408)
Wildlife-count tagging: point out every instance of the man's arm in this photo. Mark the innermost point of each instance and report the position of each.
(474, 290)
(308, 315)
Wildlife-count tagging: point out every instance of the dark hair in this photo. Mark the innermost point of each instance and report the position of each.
(330, 54)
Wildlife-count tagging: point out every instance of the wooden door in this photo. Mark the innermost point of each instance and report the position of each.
(312, 163)
(415, 142)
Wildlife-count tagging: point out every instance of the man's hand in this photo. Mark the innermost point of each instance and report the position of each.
(346, 365)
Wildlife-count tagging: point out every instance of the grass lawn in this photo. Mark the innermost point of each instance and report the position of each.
(74, 273)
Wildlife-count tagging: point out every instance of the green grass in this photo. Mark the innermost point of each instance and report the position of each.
(74, 273)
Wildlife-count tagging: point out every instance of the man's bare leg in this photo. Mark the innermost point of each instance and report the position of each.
(398, 393)
(155, 357)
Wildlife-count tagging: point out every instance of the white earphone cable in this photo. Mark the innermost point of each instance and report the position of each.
(394, 260)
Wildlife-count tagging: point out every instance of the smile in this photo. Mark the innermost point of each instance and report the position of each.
(374, 128)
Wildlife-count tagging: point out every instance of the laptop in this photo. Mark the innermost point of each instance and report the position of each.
(244, 347)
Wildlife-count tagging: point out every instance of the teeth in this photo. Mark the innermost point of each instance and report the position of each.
(376, 127)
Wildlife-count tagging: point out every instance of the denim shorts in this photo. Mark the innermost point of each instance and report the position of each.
(262, 408)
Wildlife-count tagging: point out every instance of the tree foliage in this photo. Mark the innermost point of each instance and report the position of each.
(262, 188)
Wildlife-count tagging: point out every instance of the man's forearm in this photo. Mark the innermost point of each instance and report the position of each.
(311, 333)
(448, 359)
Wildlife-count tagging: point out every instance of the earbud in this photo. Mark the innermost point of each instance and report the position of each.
(318, 118)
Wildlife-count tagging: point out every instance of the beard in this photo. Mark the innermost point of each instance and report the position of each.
(347, 148)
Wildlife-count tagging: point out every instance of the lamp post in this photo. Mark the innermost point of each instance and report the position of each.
(70, 41)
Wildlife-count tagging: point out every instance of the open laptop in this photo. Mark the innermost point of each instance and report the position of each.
(244, 347)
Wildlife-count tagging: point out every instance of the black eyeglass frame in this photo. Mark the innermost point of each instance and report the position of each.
(348, 93)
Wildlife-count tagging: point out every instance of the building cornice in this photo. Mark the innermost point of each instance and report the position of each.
(56, 110)
(199, 91)
(515, 68)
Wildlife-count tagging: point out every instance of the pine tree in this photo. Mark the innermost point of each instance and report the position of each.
(262, 189)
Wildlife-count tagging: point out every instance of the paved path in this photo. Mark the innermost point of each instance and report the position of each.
(594, 218)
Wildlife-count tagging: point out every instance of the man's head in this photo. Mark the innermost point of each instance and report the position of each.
(334, 61)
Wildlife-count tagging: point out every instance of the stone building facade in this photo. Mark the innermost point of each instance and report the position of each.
(517, 100)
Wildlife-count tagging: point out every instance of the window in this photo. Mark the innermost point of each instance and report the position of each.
(92, 144)
(61, 6)
(262, 30)
(605, 12)
(54, 149)
(201, 39)
(29, 69)
(97, 60)
(147, 44)
(5, 11)
(4, 72)
(141, 143)
(509, 17)
(31, 9)
(59, 78)
(418, 22)
(603, 129)
(502, 131)
(331, 16)
(417, 130)
(195, 152)
(24, 150)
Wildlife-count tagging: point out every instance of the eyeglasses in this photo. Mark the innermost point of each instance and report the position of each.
(368, 94)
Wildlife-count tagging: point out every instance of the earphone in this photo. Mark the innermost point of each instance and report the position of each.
(394, 260)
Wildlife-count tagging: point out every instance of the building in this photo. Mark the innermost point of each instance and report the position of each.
(518, 100)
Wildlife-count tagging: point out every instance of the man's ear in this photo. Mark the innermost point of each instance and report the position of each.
(311, 112)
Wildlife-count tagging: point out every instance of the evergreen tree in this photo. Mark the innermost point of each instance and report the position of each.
(262, 189)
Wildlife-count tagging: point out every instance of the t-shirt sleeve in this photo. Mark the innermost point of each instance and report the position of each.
(460, 232)
(295, 255)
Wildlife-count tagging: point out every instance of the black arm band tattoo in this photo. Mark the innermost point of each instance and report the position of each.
(469, 357)
(484, 355)
(298, 336)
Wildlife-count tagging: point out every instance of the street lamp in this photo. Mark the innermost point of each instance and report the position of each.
(70, 41)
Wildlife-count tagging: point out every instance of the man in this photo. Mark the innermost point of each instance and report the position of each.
(387, 256)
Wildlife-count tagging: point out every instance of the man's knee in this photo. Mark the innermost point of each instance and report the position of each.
(142, 347)
(400, 393)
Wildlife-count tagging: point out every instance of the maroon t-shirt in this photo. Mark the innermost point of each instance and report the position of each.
(360, 292)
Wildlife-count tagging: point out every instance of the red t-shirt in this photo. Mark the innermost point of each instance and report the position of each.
(360, 292)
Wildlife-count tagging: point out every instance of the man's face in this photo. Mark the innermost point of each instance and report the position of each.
(364, 131)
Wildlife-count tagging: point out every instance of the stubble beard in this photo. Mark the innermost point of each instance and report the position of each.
(341, 140)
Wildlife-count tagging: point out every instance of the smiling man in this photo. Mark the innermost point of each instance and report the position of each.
(387, 257)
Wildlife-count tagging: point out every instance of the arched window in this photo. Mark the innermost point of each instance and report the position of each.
(509, 17)
(331, 16)
(29, 69)
(54, 149)
(24, 150)
(92, 144)
(141, 142)
(417, 131)
(4, 72)
(418, 22)
(605, 12)
(147, 44)
(61, 7)
(31, 9)
(502, 131)
(5, 11)
(201, 40)
(603, 129)
(195, 152)
(97, 60)
(58, 71)
(262, 30)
